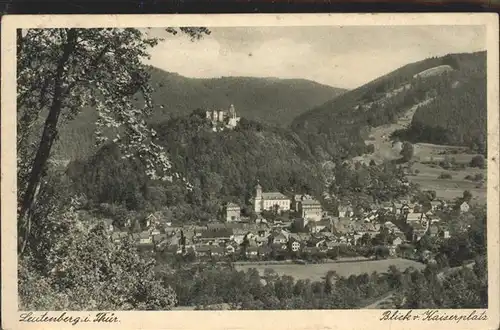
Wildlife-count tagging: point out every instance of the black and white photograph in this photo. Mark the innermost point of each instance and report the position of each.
(286, 167)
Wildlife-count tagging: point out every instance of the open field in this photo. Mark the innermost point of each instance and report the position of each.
(316, 272)
(427, 177)
(448, 189)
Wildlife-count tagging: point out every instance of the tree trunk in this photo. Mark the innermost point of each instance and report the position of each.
(49, 135)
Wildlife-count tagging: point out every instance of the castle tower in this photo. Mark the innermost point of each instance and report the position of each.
(258, 198)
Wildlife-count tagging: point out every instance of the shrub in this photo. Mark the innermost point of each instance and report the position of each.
(477, 161)
(444, 176)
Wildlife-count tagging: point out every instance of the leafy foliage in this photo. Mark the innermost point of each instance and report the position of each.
(407, 151)
(363, 185)
(221, 166)
(75, 266)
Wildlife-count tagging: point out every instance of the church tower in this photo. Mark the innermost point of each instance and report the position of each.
(258, 198)
(232, 112)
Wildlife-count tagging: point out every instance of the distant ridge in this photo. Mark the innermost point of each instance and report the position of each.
(271, 101)
(454, 85)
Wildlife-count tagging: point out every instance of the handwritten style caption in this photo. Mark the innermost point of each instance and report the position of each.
(433, 315)
(64, 317)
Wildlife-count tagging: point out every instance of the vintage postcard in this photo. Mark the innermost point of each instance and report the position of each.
(306, 171)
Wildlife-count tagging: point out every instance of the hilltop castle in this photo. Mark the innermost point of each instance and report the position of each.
(223, 117)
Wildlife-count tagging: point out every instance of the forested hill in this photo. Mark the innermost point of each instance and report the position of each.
(458, 115)
(266, 100)
(221, 166)
(453, 87)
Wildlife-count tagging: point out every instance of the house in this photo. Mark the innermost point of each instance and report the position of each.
(280, 237)
(345, 211)
(436, 205)
(311, 210)
(397, 208)
(233, 212)
(108, 225)
(155, 231)
(278, 247)
(406, 209)
(270, 201)
(387, 206)
(464, 207)
(330, 245)
(261, 240)
(397, 241)
(117, 236)
(239, 235)
(216, 236)
(415, 217)
(230, 249)
(252, 252)
(202, 251)
(216, 251)
(434, 230)
(322, 225)
(152, 220)
(145, 238)
(159, 239)
(419, 230)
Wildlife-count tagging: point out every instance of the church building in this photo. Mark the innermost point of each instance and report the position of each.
(269, 200)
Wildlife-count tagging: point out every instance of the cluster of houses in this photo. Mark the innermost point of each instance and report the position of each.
(314, 231)
(310, 230)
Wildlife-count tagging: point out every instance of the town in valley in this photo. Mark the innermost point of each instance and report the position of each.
(226, 168)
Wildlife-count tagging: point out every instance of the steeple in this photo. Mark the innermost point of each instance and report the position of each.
(232, 111)
(258, 198)
(258, 190)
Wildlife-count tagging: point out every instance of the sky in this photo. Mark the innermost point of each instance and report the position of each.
(345, 57)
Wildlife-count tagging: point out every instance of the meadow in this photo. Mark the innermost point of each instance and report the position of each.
(317, 272)
(423, 154)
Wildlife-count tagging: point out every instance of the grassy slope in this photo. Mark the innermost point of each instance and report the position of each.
(343, 111)
(352, 110)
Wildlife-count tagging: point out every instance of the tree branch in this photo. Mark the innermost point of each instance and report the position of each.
(48, 136)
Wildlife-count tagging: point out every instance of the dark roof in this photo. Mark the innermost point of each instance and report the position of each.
(203, 248)
(159, 238)
(232, 205)
(311, 202)
(217, 249)
(273, 195)
(277, 246)
(217, 233)
(216, 226)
